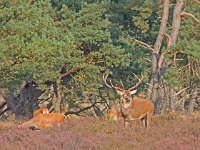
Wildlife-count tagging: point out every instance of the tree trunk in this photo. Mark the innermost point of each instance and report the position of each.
(171, 98)
(159, 65)
(192, 101)
(176, 23)
(24, 103)
(57, 95)
(57, 98)
(154, 93)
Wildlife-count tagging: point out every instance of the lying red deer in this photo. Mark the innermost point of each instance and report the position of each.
(41, 110)
(44, 120)
(114, 114)
(132, 109)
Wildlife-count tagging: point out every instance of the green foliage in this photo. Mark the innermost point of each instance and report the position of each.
(187, 64)
(135, 18)
(37, 39)
(32, 47)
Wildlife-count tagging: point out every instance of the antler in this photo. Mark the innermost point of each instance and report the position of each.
(138, 83)
(111, 85)
(122, 84)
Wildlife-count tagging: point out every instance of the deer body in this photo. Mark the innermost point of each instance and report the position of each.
(44, 120)
(132, 108)
(140, 108)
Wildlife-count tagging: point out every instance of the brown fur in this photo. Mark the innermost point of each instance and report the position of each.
(132, 108)
(114, 114)
(139, 108)
(44, 120)
(41, 110)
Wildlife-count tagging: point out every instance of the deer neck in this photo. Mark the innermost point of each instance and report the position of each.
(126, 108)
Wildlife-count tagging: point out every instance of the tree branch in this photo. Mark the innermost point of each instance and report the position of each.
(183, 14)
(179, 92)
(5, 110)
(81, 110)
(196, 1)
(68, 72)
(185, 97)
(145, 45)
(3, 104)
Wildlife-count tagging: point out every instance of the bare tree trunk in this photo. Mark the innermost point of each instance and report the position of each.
(57, 98)
(24, 103)
(57, 95)
(159, 65)
(183, 105)
(163, 26)
(192, 101)
(171, 97)
(176, 23)
(154, 93)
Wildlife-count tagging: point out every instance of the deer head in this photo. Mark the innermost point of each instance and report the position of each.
(126, 95)
(41, 110)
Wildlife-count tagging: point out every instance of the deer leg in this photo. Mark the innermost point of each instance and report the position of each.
(58, 124)
(126, 123)
(148, 119)
(144, 121)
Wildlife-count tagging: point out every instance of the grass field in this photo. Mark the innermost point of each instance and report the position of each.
(165, 133)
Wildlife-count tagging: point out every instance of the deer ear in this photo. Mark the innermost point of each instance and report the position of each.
(133, 91)
(119, 92)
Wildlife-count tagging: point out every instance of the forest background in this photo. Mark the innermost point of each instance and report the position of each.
(67, 46)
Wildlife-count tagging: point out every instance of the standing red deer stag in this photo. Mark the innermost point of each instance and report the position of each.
(132, 108)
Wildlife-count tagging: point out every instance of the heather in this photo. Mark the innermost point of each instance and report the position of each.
(86, 133)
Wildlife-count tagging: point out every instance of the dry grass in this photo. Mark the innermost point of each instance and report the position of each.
(6, 124)
(174, 132)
